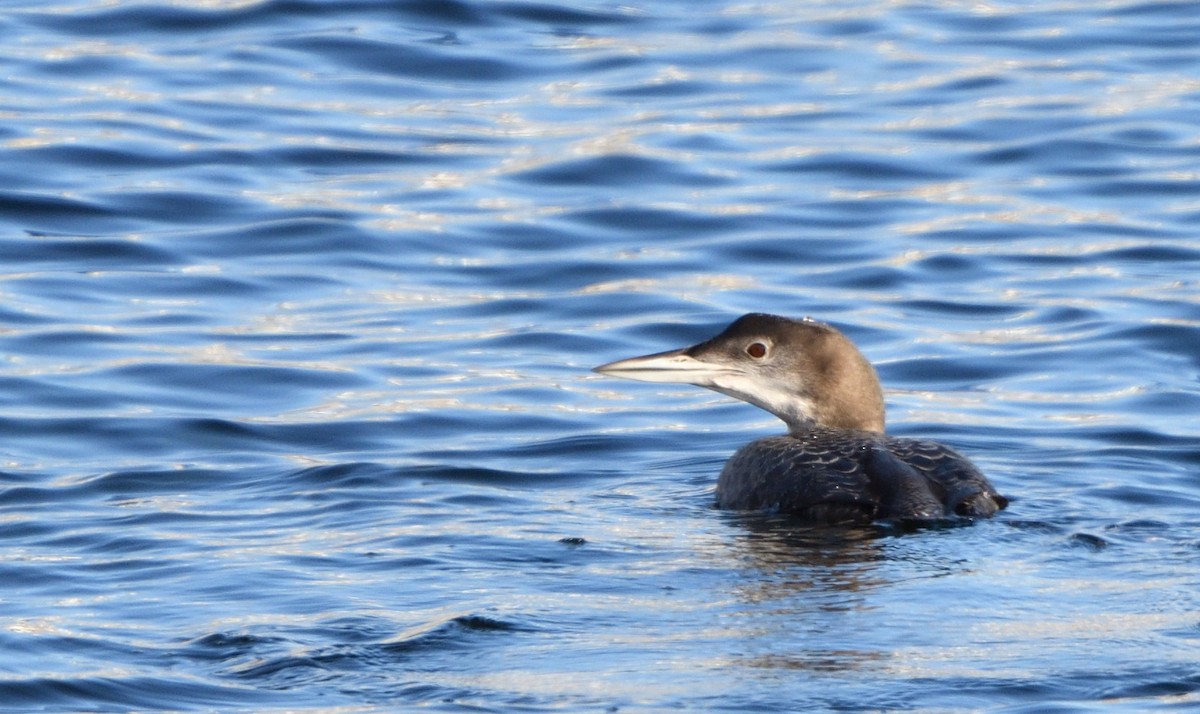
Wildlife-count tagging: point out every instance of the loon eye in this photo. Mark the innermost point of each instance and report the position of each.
(757, 350)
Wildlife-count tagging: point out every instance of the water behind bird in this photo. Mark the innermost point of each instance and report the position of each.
(298, 304)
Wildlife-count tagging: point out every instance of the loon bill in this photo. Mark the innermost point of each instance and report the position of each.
(835, 464)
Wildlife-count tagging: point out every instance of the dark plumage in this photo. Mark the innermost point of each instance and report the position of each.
(835, 464)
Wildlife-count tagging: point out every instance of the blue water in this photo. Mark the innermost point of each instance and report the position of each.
(298, 302)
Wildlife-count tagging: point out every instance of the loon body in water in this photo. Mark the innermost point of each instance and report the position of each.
(835, 464)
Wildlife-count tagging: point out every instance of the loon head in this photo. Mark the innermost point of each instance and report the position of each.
(803, 371)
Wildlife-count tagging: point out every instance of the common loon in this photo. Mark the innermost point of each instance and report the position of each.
(835, 464)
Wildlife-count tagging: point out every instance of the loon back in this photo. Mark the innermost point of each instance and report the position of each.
(835, 464)
(840, 476)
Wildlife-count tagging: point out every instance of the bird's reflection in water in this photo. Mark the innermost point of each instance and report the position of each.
(806, 589)
(827, 564)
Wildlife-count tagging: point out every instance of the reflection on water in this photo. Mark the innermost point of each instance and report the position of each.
(807, 571)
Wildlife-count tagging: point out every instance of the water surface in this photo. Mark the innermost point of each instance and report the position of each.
(298, 302)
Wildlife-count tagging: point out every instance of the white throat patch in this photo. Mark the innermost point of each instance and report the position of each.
(788, 406)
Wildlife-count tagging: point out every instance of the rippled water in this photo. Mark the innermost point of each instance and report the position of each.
(298, 301)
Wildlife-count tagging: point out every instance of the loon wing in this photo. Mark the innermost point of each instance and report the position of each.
(961, 487)
(826, 475)
(843, 476)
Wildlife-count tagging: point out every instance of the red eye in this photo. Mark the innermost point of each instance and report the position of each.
(757, 350)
